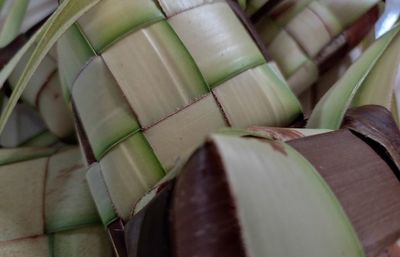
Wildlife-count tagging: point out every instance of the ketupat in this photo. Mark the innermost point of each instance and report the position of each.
(148, 88)
(255, 197)
(46, 207)
(103, 188)
(306, 37)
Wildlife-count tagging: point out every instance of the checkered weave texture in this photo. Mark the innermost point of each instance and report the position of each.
(301, 35)
(46, 207)
(149, 81)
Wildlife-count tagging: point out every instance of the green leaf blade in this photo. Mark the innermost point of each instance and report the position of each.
(13, 22)
(330, 110)
(67, 14)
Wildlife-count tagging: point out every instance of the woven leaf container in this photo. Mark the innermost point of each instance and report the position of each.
(148, 88)
(306, 37)
(249, 196)
(46, 207)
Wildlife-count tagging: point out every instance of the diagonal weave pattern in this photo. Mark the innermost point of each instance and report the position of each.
(47, 210)
(304, 28)
(149, 87)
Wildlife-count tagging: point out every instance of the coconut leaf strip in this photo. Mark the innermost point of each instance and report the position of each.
(331, 109)
(376, 123)
(378, 88)
(22, 192)
(151, 227)
(280, 166)
(362, 181)
(2, 4)
(243, 53)
(25, 247)
(68, 13)
(250, 28)
(174, 7)
(116, 232)
(87, 241)
(68, 202)
(264, 10)
(284, 134)
(13, 21)
(11, 64)
(286, 10)
(343, 43)
(260, 191)
(37, 13)
(101, 195)
(9, 156)
(44, 139)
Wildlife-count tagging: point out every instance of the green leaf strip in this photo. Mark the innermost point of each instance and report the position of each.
(330, 111)
(13, 21)
(67, 14)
